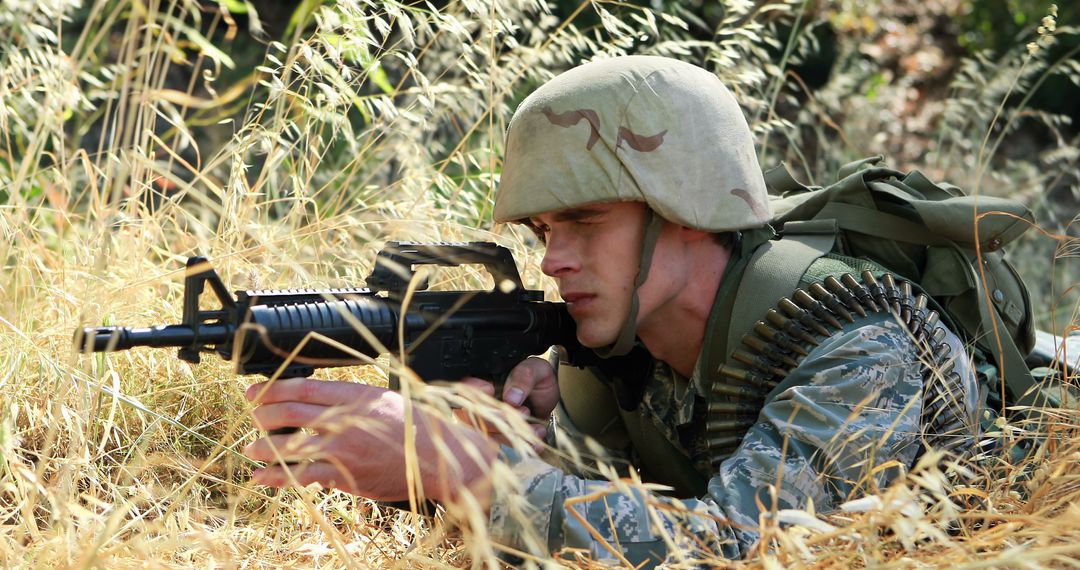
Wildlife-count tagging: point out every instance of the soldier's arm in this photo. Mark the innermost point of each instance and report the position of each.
(852, 404)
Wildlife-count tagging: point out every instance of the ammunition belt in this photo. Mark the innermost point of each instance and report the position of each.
(797, 324)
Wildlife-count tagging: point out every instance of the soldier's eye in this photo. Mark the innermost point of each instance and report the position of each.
(539, 230)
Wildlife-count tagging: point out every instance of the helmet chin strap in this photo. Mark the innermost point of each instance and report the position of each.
(628, 332)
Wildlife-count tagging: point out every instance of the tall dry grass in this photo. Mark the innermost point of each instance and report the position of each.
(131, 138)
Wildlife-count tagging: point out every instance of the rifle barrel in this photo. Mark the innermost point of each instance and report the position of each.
(123, 338)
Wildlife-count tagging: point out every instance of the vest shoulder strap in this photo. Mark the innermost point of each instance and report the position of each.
(661, 460)
(773, 272)
(591, 405)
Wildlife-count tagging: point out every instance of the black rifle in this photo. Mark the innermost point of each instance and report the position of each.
(445, 335)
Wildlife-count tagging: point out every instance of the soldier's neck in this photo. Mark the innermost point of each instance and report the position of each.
(676, 334)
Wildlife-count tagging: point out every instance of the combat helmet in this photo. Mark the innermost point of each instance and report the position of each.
(637, 128)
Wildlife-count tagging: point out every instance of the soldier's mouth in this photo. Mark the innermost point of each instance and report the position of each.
(577, 301)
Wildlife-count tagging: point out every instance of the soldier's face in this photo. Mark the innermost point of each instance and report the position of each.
(594, 252)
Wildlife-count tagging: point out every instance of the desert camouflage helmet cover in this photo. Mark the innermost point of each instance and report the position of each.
(637, 128)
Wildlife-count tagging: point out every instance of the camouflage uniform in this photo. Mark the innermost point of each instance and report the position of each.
(852, 404)
(670, 135)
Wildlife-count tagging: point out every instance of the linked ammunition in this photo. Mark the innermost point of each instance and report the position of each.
(866, 300)
(751, 377)
(875, 289)
(727, 426)
(905, 302)
(892, 293)
(790, 327)
(846, 295)
(804, 300)
(769, 350)
(834, 304)
(805, 318)
(796, 326)
(779, 338)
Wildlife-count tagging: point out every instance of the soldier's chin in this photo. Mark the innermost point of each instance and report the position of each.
(595, 339)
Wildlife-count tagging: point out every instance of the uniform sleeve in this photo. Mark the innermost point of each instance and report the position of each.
(852, 405)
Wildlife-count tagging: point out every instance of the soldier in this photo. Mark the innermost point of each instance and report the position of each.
(639, 175)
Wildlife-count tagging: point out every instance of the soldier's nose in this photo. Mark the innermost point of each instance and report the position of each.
(558, 260)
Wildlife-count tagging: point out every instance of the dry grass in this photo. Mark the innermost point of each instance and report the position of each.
(378, 121)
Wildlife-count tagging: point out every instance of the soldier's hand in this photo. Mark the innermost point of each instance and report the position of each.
(532, 389)
(533, 384)
(356, 441)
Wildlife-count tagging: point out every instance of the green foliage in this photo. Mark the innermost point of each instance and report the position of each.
(997, 26)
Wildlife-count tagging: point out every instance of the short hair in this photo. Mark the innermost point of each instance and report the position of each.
(725, 239)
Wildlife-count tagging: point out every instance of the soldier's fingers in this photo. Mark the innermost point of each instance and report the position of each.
(389, 487)
(479, 384)
(322, 472)
(534, 383)
(287, 414)
(258, 392)
(524, 378)
(323, 392)
(288, 447)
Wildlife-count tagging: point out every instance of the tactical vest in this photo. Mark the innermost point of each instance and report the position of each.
(788, 295)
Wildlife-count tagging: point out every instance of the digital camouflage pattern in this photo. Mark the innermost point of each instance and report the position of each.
(621, 129)
(853, 403)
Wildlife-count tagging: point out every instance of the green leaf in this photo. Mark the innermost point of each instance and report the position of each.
(301, 15)
(208, 49)
(358, 52)
(378, 76)
(234, 6)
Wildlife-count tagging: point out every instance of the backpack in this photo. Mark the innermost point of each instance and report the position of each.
(932, 234)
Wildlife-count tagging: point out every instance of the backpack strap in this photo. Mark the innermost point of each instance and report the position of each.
(661, 460)
(853, 167)
(996, 340)
(773, 272)
(590, 404)
(779, 180)
(589, 400)
(878, 224)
